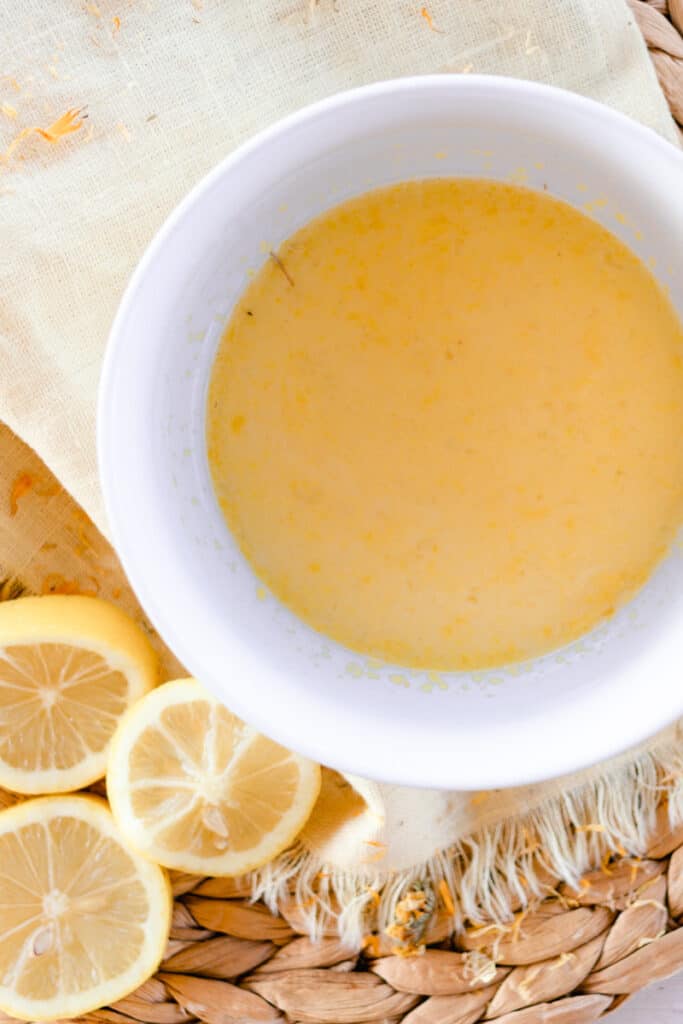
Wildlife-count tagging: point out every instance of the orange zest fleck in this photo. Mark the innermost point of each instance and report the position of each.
(8, 110)
(604, 863)
(22, 484)
(424, 13)
(68, 123)
(379, 851)
(372, 945)
(373, 895)
(446, 896)
(116, 22)
(55, 583)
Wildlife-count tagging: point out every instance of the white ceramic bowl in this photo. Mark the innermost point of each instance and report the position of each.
(612, 689)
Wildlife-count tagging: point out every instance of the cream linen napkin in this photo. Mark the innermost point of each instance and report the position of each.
(170, 87)
(173, 86)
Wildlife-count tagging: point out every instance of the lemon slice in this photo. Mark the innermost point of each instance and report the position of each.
(84, 920)
(69, 668)
(196, 789)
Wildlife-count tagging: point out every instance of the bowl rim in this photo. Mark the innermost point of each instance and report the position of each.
(529, 762)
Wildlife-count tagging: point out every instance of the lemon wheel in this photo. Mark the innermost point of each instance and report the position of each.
(69, 668)
(84, 919)
(194, 788)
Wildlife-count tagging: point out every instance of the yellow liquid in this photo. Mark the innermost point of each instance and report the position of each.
(446, 428)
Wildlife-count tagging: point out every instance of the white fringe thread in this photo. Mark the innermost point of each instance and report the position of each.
(496, 870)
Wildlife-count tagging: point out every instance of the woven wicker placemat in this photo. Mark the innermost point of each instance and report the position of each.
(661, 22)
(567, 959)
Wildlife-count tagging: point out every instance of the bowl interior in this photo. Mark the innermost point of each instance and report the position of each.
(474, 730)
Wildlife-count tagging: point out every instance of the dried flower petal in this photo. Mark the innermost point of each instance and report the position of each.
(424, 13)
(68, 123)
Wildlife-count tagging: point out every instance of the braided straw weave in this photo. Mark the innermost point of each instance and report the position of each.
(661, 22)
(567, 959)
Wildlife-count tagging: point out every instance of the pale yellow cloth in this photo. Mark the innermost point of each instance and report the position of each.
(168, 94)
(171, 86)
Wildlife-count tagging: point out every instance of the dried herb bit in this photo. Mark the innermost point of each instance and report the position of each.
(278, 262)
(413, 914)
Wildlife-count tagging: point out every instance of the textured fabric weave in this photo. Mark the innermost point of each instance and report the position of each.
(170, 87)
